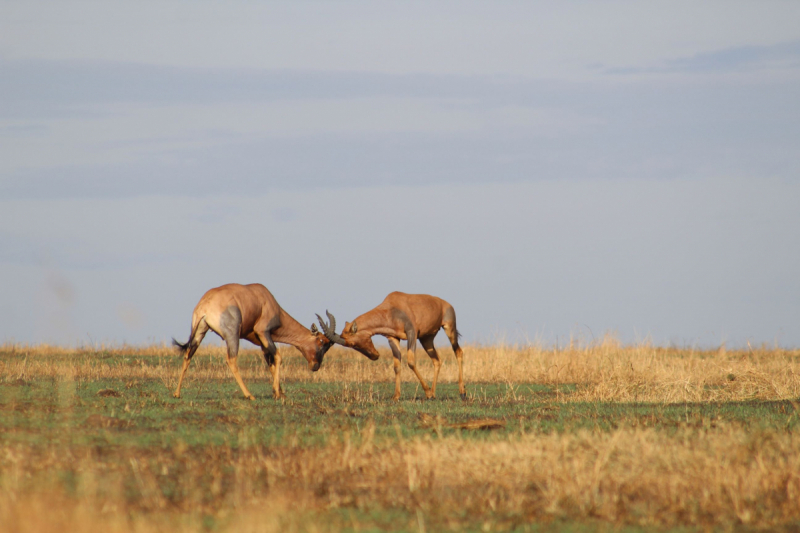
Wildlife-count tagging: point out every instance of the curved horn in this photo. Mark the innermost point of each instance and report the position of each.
(332, 319)
(330, 330)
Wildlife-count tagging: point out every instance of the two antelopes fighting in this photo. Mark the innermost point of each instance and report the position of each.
(250, 312)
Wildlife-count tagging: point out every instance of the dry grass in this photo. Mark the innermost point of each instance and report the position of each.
(606, 371)
(723, 476)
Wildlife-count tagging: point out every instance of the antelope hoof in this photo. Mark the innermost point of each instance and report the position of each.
(176, 394)
(250, 397)
(464, 396)
(396, 398)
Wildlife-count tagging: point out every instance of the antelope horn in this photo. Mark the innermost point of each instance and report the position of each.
(332, 319)
(330, 330)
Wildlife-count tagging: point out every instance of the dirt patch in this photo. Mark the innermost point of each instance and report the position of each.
(100, 421)
(430, 421)
(188, 418)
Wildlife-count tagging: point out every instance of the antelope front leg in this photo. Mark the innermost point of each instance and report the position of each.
(273, 361)
(395, 346)
(275, 368)
(272, 371)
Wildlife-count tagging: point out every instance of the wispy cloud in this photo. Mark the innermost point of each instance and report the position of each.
(106, 129)
(736, 59)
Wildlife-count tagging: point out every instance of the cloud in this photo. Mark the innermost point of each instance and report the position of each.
(782, 56)
(102, 129)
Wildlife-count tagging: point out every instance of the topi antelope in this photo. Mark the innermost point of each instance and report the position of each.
(409, 317)
(250, 312)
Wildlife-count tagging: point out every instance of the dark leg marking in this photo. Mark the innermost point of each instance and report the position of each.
(266, 335)
(230, 322)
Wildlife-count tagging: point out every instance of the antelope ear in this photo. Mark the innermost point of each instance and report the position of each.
(314, 328)
(354, 328)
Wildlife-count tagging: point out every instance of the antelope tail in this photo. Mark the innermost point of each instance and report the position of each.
(182, 348)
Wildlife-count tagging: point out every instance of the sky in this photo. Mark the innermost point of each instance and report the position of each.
(554, 170)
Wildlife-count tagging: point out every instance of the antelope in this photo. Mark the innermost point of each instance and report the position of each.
(250, 312)
(403, 317)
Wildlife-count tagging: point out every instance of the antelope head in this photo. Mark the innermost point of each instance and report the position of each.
(328, 334)
(351, 337)
(360, 340)
(325, 340)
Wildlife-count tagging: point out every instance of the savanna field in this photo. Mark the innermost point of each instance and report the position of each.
(590, 437)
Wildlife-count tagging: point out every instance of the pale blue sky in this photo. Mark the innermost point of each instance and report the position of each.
(551, 169)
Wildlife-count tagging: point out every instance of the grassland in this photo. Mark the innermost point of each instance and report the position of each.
(595, 437)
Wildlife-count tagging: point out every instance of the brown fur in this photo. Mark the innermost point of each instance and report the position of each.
(408, 317)
(263, 322)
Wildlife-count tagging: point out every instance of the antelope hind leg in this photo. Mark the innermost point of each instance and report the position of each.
(194, 343)
(427, 343)
(452, 335)
(229, 324)
(411, 361)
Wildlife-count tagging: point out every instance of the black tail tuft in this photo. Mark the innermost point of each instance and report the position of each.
(458, 335)
(181, 347)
